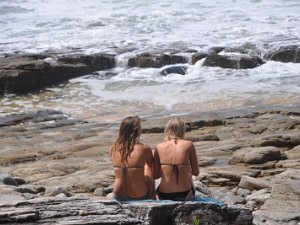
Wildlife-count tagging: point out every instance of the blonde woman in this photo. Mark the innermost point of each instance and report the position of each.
(175, 161)
(133, 163)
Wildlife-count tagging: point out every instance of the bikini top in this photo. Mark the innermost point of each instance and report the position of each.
(175, 168)
(125, 168)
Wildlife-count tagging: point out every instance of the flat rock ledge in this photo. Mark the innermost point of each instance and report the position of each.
(87, 211)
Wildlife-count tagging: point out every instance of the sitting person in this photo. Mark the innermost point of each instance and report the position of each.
(133, 163)
(175, 161)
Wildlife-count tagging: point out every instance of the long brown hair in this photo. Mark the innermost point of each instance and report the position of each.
(129, 134)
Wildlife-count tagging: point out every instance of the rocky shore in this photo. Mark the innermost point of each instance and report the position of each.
(23, 73)
(55, 168)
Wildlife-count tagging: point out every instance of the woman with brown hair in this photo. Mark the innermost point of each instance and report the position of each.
(175, 161)
(133, 163)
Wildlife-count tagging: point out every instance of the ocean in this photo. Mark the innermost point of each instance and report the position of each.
(130, 27)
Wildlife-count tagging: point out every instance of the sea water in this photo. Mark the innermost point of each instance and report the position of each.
(130, 27)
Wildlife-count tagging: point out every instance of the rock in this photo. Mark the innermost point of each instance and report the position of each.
(204, 137)
(19, 180)
(283, 205)
(251, 183)
(256, 155)
(294, 153)
(174, 69)
(7, 179)
(147, 60)
(258, 198)
(198, 56)
(277, 140)
(84, 210)
(54, 191)
(216, 50)
(22, 74)
(243, 192)
(99, 192)
(94, 62)
(287, 54)
(233, 61)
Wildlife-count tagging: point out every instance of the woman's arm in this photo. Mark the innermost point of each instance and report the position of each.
(194, 161)
(156, 165)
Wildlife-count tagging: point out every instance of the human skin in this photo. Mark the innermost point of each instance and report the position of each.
(137, 181)
(175, 151)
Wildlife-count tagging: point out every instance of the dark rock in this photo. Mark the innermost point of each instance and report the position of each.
(216, 50)
(84, 210)
(197, 56)
(94, 62)
(233, 62)
(174, 69)
(148, 60)
(39, 116)
(22, 74)
(7, 179)
(287, 54)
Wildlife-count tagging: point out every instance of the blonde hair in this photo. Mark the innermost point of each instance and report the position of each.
(129, 134)
(175, 129)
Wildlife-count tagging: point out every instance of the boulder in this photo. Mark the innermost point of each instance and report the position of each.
(174, 69)
(233, 61)
(284, 203)
(287, 54)
(85, 210)
(277, 140)
(198, 56)
(7, 179)
(147, 60)
(252, 183)
(258, 155)
(21, 74)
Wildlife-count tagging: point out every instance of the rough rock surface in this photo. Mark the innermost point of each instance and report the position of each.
(47, 153)
(25, 73)
(85, 210)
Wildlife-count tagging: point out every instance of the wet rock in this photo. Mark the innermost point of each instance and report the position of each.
(174, 69)
(94, 62)
(233, 61)
(7, 179)
(216, 50)
(148, 60)
(19, 180)
(287, 54)
(22, 74)
(198, 56)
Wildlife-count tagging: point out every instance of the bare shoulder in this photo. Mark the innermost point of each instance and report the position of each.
(188, 144)
(144, 147)
(160, 145)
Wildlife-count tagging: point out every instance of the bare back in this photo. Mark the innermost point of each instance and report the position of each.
(169, 155)
(131, 176)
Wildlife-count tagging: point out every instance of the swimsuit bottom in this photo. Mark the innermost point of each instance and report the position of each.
(128, 198)
(175, 196)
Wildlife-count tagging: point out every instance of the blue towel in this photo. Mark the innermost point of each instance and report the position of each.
(208, 200)
(200, 199)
